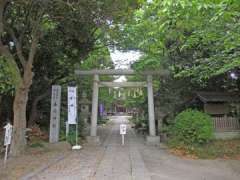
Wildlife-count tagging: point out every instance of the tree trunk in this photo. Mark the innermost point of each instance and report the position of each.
(20, 104)
(19, 121)
(19, 109)
(34, 110)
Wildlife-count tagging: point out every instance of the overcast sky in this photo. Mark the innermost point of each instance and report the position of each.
(123, 60)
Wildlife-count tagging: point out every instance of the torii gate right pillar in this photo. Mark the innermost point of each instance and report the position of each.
(152, 138)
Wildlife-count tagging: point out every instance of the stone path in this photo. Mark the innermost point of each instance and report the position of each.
(134, 161)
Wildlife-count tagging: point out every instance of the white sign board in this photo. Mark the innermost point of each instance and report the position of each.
(123, 128)
(8, 134)
(72, 105)
(55, 114)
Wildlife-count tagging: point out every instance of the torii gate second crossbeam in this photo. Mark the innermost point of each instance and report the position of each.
(93, 138)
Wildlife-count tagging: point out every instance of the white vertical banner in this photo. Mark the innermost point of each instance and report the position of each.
(72, 105)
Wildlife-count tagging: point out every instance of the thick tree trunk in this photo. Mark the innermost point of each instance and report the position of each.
(19, 109)
(20, 104)
(19, 121)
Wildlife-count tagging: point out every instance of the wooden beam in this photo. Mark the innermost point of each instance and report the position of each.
(122, 84)
(121, 72)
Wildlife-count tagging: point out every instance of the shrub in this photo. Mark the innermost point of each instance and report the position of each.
(192, 127)
(139, 122)
(71, 138)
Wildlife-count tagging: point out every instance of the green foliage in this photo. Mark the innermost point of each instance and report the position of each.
(71, 138)
(197, 39)
(192, 127)
(36, 145)
(102, 120)
(225, 149)
(219, 149)
(7, 77)
(139, 122)
(74, 36)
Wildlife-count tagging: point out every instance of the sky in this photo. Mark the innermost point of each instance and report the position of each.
(123, 60)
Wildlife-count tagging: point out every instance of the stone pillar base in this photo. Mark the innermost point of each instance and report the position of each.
(153, 140)
(94, 140)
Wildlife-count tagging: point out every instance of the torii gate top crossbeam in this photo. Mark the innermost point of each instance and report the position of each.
(119, 72)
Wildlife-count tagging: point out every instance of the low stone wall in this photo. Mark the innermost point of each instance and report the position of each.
(227, 135)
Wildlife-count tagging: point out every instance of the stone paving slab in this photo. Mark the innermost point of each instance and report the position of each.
(121, 162)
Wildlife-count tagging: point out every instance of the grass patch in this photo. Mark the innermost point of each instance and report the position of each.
(102, 121)
(224, 149)
(36, 145)
(36, 142)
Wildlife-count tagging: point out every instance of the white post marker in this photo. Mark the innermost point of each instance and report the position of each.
(7, 139)
(67, 128)
(123, 131)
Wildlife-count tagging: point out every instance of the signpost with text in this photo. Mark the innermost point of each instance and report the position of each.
(7, 139)
(123, 131)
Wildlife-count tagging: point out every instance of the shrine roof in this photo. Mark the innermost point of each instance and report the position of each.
(218, 96)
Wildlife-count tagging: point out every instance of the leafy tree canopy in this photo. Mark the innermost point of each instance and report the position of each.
(197, 39)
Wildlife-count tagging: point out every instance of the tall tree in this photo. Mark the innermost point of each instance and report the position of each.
(21, 59)
(23, 27)
(198, 39)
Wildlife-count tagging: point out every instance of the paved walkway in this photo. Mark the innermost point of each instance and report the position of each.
(134, 161)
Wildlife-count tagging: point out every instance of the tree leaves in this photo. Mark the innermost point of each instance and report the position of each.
(7, 77)
(199, 38)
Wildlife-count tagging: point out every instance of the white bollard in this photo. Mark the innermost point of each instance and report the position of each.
(122, 139)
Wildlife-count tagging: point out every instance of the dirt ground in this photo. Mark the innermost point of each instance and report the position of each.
(32, 160)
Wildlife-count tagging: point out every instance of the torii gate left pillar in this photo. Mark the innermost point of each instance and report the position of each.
(93, 138)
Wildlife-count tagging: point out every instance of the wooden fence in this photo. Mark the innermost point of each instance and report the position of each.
(226, 124)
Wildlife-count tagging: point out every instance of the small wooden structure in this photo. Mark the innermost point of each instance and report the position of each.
(224, 108)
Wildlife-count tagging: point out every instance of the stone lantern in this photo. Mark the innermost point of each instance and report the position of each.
(84, 105)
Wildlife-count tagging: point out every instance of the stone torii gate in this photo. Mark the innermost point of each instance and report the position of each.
(93, 138)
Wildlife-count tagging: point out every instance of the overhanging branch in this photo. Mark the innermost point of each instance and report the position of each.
(18, 47)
